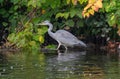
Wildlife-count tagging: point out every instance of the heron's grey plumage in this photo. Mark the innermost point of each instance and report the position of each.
(63, 37)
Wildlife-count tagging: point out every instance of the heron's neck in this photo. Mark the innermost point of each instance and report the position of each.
(50, 27)
(50, 30)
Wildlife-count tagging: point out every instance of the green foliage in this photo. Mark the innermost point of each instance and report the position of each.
(27, 38)
(22, 16)
(112, 12)
(69, 23)
(97, 27)
(73, 12)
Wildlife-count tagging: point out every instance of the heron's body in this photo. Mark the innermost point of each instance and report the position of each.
(63, 37)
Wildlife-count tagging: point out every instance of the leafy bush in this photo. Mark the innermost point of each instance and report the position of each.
(28, 38)
(22, 16)
(111, 9)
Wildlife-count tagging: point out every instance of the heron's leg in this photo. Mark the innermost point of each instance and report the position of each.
(59, 44)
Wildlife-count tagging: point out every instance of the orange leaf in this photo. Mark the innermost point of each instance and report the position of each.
(92, 6)
(95, 8)
(87, 14)
(88, 6)
(83, 14)
(118, 32)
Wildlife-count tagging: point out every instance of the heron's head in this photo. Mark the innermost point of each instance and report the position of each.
(44, 23)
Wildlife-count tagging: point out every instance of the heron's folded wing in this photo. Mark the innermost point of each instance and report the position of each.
(66, 37)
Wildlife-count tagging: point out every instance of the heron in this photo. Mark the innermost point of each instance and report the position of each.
(63, 37)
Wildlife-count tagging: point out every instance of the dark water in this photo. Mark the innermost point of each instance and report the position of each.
(50, 65)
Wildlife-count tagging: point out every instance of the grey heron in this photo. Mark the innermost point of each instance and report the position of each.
(63, 37)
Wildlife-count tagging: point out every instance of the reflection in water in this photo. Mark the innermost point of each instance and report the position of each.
(73, 65)
(70, 56)
(65, 65)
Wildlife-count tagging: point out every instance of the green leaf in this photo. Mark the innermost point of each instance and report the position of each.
(42, 30)
(79, 15)
(38, 4)
(111, 19)
(68, 1)
(66, 15)
(21, 43)
(16, 7)
(11, 37)
(82, 1)
(72, 13)
(42, 1)
(80, 23)
(32, 43)
(36, 37)
(36, 20)
(59, 15)
(2, 11)
(5, 24)
(1, 1)
(34, 3)
(15, 1)
(70, 23)
(54, 3)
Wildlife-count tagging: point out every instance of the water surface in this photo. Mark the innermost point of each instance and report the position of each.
(54, 65)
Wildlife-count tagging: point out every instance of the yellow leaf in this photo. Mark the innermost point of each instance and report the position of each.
(86, 15)
(93, 7)
(98, 4)
(88, 6)
(41, 39)
(91, 11)
(91, 1)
